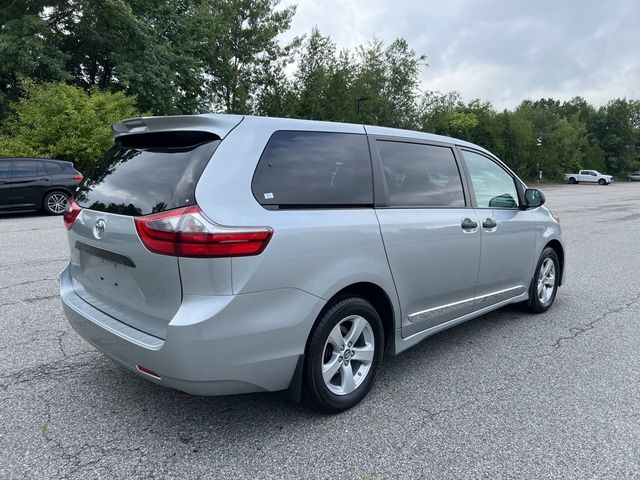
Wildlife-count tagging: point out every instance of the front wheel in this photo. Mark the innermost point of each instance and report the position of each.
(544, 284)
(343, 356)
(54, 203)
(602, 181)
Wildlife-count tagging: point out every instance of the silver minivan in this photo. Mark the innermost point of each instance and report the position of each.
(222, 254)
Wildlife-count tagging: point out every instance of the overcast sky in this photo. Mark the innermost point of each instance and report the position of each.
(498, 50)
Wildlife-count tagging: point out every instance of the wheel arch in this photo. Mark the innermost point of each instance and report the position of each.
(557, 247)
(372, 292)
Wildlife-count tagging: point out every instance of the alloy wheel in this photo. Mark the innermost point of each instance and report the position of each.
(348, 355)
(546, 280)
(56, 203)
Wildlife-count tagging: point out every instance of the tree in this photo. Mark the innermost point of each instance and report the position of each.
(239, 40)
(317, 66)
(62, 121)
(389, 77)
(618, 135)
(27, 49)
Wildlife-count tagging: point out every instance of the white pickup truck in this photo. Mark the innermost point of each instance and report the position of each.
(588, 176)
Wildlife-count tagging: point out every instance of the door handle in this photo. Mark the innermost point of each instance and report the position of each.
(489, 223)
(468, 224)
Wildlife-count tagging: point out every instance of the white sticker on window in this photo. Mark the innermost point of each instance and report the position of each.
(268, 196)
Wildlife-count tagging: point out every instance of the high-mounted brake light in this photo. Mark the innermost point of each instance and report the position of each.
(71, 213)
(186, 232)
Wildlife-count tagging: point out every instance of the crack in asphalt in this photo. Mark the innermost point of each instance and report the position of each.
(30, 300)
(576, 331)
(7, 266)
(29, 282)
(40, 372)
(70, 455)
(476, 398)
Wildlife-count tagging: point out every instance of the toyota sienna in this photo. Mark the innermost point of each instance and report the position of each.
(222, 254)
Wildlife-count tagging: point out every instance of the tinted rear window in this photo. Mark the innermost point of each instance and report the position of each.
(314, 169)
(420, 175)
(137, 177)
(56, 168)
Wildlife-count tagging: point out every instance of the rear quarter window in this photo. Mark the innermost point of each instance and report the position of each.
(54, 168)
(314, 169)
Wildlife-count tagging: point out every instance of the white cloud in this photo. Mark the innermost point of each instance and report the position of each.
(499, 50)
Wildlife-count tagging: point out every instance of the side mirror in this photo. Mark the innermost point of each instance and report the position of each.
(533, 198)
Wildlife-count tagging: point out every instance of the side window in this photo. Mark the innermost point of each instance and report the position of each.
(420, 175)
(54, 168)
(25, 168)
(5, 168)
(314, 169)
(493, 186)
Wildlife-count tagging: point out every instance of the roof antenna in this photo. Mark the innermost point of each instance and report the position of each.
(202, 110)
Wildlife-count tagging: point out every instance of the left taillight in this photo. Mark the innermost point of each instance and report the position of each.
(78, 176)
(186, 232)
(70, 213)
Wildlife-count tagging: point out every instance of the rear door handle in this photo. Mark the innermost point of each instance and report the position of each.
(489, 223)
(468, 224)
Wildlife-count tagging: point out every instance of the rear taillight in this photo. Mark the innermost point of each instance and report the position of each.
(78, 177)
(186, 232)
(70, 213)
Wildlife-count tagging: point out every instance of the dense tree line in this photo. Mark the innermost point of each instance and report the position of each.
(68, 68)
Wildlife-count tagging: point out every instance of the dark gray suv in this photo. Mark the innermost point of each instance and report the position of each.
(37, 184)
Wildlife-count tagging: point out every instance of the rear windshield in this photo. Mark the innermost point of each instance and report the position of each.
(147, 173)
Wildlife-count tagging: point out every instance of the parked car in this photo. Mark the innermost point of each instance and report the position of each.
(37, 183)
(634, 176)
(588, 176)
(221, 254)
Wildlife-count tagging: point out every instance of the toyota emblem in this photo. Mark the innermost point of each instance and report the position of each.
(98, 229)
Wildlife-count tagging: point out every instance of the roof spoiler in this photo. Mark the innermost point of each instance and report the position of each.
(218, 124)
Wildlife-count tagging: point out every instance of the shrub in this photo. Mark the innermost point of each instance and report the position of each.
(57, 120)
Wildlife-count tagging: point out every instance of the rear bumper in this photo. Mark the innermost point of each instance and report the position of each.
(215, 345)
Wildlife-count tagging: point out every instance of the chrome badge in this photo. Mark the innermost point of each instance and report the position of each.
(98, 229)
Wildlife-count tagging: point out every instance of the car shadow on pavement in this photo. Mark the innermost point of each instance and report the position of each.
(149, 406)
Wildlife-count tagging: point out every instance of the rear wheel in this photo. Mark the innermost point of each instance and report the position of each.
(54, 203)
(602, 181)
(343, 355)
(572, 180)
(544, 284)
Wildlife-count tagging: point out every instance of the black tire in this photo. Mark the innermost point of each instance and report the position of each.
(572, 180)
(315, 393)
(535, 304)
(602, 181)
(53, 207)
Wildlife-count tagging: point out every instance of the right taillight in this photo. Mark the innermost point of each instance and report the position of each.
(70, 213)
(186, 232)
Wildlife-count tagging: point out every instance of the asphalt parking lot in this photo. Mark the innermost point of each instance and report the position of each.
(509, 395)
